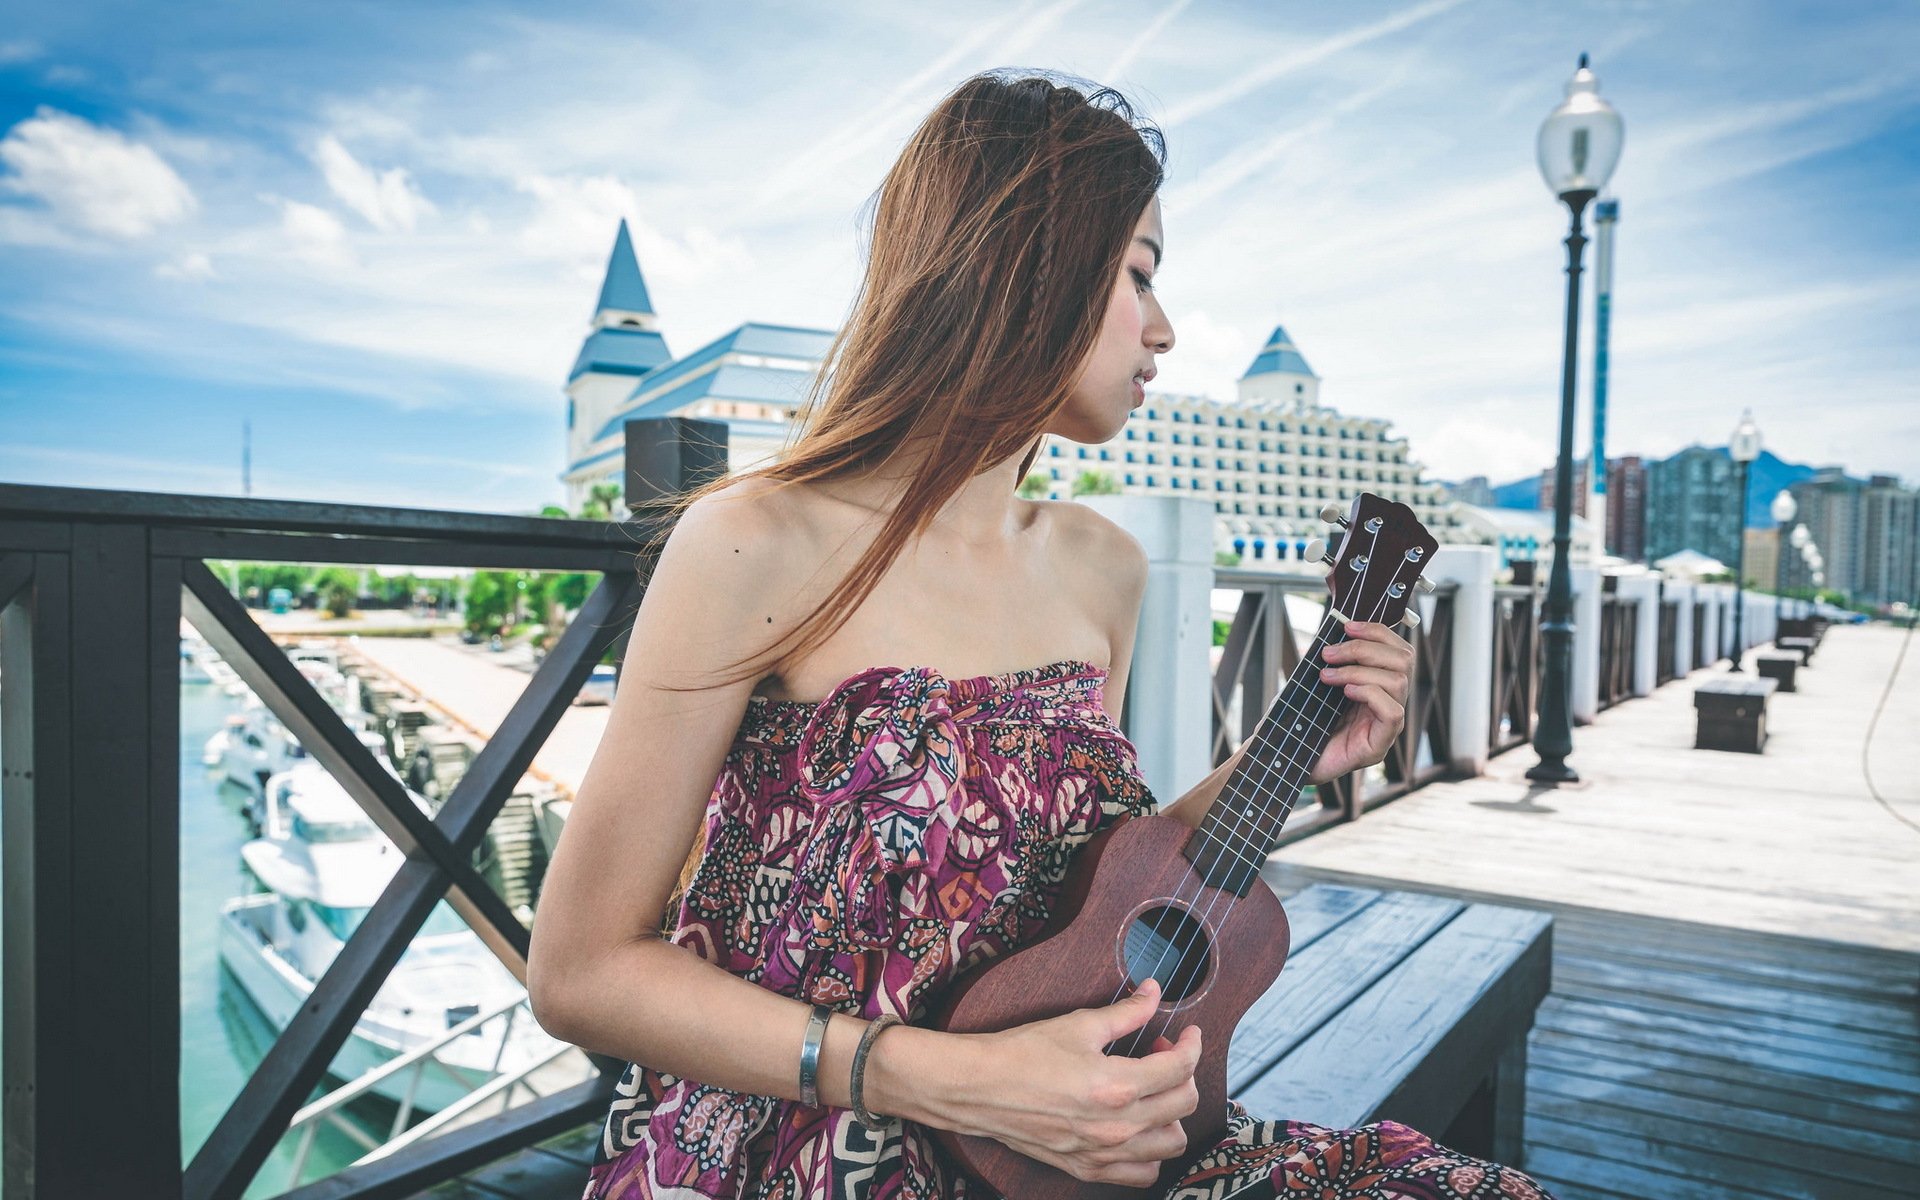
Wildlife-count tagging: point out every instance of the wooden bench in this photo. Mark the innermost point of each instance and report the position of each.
(1803, 646)
(1732, 713)
(1400, 1006)
(1777, 665)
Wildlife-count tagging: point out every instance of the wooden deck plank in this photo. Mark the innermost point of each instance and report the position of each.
(1692, 1160)
(1692, 1077)
(1786, 1053)
(1859, 1154)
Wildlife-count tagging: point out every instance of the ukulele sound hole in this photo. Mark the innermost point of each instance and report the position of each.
(1169, 945)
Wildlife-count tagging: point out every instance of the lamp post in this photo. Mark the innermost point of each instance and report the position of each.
(1783, 511)
(1579, 144)
(1745, 447)
(1800, 540)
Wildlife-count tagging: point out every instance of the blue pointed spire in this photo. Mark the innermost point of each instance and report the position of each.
(624, 289)
(1279, 354)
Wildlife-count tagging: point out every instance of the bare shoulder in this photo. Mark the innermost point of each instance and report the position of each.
(1097, 545)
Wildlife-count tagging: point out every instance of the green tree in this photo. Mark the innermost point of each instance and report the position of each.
(1226, 558)
(602, 499)
(1096, 483)
(338, 588)
(1035, 486)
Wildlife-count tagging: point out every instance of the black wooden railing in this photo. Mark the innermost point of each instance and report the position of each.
(1261, 651)
(1701, 655)
(1619, 632)
(93, 586)
(1664, 665)
(1516, 667)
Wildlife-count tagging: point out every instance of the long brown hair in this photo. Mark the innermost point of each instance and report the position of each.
(996, 238)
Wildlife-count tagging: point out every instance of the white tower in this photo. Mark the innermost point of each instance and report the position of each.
(1280, 374)
(623, 344)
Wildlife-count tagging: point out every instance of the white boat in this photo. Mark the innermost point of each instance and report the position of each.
(323, 865)
(257, 746)
(194, 655)
(268, 807)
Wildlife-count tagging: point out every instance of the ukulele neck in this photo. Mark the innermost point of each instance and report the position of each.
(1243, 826)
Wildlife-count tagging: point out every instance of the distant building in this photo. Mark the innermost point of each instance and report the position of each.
(1627, 507)
(1830, 507)
(1476, 491)
(1519, 533)
(1269, 460)
(1626, 503)
(1889, 542)
(1762, 565)
(753, 378)
(1691, 505)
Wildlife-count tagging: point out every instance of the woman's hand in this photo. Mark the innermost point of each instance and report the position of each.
(1374, 667)
(1047, 1090)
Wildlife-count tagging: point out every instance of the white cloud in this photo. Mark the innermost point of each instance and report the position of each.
(387, 199)
(574, 222)
(192, 265)
(92, 177)
(18, 52)
(315, 234)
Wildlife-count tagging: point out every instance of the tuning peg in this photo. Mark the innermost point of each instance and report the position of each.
(1411, 620)
(1424, 584)
(1333, 514)
(1317, 551)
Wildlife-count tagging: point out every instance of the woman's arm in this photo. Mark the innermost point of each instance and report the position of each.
(600, 974)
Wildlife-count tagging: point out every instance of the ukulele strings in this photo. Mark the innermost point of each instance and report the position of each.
(1314, 689)
(1315, 692)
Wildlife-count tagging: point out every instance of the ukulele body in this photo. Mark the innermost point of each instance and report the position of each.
(1215, 954)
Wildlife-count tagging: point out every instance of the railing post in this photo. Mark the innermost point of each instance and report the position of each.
(1470, 709)
(669, 455)
(1586, 644)
(1682, 593)
(1644, 590)
(1169, 686)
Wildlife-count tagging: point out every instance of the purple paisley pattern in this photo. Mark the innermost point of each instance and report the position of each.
(865, 851)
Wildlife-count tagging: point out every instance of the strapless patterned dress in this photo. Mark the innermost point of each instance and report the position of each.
(864, 851)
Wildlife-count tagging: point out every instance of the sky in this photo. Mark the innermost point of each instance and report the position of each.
(376, 231)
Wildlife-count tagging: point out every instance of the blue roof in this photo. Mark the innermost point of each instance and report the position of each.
(680, 383)
(620, 350)
(1279, 355)
(624, 289)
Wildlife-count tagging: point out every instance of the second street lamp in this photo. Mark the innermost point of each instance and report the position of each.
(1578, 146)
(1783, 511)
(1745, 447)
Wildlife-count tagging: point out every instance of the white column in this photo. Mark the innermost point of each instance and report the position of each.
(1646, 633)
(1471, 702)
(1682, 594)
(1586, 644)
(1171, 713)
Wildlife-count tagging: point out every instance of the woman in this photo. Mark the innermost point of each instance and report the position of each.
(770, 850)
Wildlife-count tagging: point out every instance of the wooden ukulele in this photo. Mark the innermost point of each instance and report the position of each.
(1150, 897)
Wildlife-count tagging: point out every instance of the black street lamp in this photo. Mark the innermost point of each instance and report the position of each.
(1578, 146)
(1745, 447)
(1783, 510)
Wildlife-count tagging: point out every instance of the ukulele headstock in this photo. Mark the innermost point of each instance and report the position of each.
(1376, 568)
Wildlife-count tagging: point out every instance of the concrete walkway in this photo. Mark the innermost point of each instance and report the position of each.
(1790, 841)
(475, 690)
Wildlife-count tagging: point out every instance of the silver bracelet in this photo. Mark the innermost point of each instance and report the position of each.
(810, 1055)
(854, 1086)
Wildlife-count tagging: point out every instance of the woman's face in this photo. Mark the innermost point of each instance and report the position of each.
(1134, 332)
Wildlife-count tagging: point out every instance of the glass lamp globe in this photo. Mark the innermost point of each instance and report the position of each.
(1579, 142)
(1800, 537)
(1745, 446)
(1819, 577)
(1783, 506)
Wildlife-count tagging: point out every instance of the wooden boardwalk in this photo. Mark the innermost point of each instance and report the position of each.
(1789, 841)
(1736, 997)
